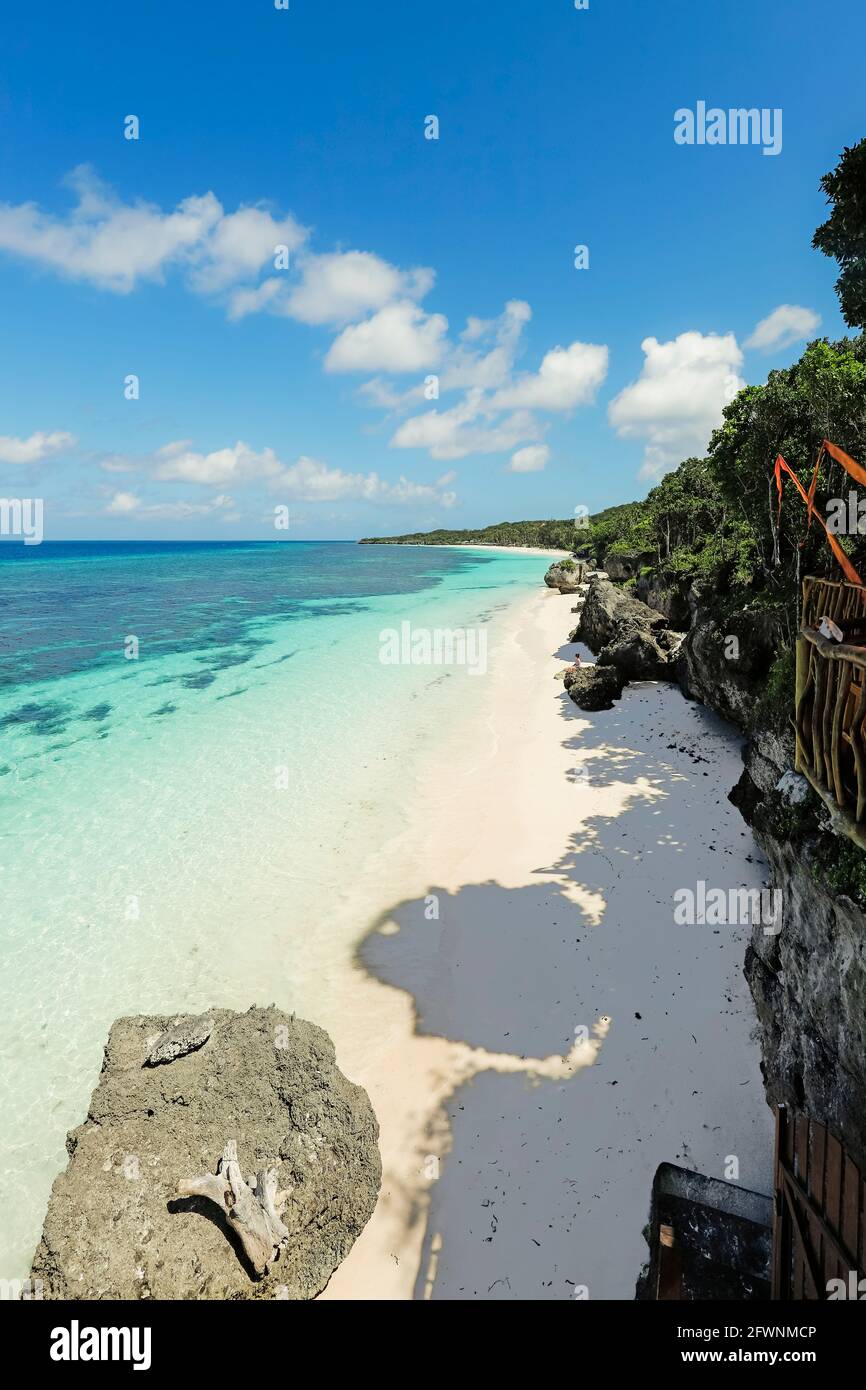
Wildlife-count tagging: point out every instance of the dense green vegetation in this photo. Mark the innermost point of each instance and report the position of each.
(553, 534)
(717, 518)
(843, 235)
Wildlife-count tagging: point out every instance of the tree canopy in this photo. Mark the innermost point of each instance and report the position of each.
(843, 235)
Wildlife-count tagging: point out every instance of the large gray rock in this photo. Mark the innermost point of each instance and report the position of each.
(642, 655)
(594, 687)
(621, 567)
(664, 598)
(625, 633)
(724, 662)
(565, 575)
(115, 1227)
(609, 610)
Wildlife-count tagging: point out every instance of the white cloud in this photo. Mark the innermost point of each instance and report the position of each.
(308, 480)
(123, 502)
(127, 504)
(495, 413)
(406, 491)
(115, 245)
(677, 401)
(374, 305)
(468, 428)
(238, 463)
(399, 338)
(117, 463)
(788, 324)
(112, 244)
(385, 396)
(332, 289)
(341, 287)
(40, 445)
(566, 378)
(240, 245)
(492, 366)
(529, 460)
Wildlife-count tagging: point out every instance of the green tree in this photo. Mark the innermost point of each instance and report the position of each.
(843, 235)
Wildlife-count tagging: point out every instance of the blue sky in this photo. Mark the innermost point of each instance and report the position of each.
(409, 258)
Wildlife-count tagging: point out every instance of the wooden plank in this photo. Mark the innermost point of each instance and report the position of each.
(843, 683)
(807, 1275)
(789, 1160)
(831, 686)
(835, 651)
(803, 710)
(670, 1280)
(851, 1210)
(801, 684)
(804, 1204)
(855, 832)
(781, 1247)
(821, 677)
(833, 1201)
(800, 1167)
(815, 1185)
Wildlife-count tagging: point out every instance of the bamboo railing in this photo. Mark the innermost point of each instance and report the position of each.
(830, 708)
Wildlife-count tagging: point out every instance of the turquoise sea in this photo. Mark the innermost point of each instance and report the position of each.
(176, 826)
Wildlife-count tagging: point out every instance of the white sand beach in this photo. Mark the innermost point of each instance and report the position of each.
(547, 552)
(555, 554)
(535, 1032)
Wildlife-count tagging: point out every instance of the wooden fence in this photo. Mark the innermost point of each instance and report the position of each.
(830, 705)
(820, 1212)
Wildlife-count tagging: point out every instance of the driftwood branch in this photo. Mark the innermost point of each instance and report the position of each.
(252, 1212)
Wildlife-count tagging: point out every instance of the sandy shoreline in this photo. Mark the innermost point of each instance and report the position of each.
(521, 549)
(534, 1032)
(555, 554)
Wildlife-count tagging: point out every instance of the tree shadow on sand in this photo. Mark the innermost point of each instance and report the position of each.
(547, 1182)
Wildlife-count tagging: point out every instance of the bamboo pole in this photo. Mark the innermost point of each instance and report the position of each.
(804, 656)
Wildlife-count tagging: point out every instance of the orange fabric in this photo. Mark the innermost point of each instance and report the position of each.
(809, 498)
(854, 469)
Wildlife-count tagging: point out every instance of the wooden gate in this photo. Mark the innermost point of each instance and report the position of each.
(820, 1211)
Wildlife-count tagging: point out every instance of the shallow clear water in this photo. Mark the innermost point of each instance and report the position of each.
(176, 828)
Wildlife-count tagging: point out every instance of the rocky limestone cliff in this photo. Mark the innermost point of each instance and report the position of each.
(724, 661)
(809, 987)
(809, 979)
(116, 1227)
(622, 567)
(671, 601)
(625, 633)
